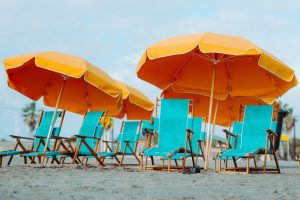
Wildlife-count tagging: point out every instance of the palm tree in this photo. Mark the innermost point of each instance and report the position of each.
(290, 125)
(30, 116)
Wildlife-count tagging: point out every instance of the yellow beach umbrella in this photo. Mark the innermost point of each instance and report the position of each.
(215, 65)
(136, 105)
(64, 81)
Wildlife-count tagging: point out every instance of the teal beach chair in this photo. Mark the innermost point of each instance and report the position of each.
(39, 139)
(257, 137)
(196, 148)
(88, 139)
(171, 131)
(126, 144)
(232, 141)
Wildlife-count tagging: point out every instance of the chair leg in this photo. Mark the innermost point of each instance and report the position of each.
(215, 164)
(32, 160)
(1, 161)
(146, 162)
(234, 162)
(25, 160)
(169, 164)
(248, 165)
(152, 160)
(134, 154)
(10, 159)
(183, 163)
(275, 157)
(176, 162)
(123, 155)
(265, 161)
(142, 162)
(220, 166)
(76, 152)
(255, 161)
(18, 142)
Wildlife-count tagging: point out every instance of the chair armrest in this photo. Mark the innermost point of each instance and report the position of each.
(83, 136)
(229, 133)
(21, 137)
(270, 132)
(221, 142)
(62, 138)
(148, 131)
(40, 137)
(178, 150)
(189, 130)
(109, 141)
(128, 141)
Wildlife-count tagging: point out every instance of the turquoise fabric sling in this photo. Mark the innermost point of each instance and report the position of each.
(172, 127)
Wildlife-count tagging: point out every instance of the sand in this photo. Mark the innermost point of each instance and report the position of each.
(67, 181)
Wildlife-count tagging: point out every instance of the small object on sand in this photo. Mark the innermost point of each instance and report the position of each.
(192, 170)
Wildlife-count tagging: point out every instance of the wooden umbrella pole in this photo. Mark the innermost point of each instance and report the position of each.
(55, 111)
(209, 117)
(214, 125)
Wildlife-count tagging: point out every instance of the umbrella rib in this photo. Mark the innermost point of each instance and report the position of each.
(49, 84)
(228, 78)
(86, 96)
(206, 57)
(232, 60)
(180, 69)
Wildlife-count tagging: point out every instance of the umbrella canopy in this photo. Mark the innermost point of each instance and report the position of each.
(217, 66)
(228, 110)
(189, 62)
(85, 86)
(65, 82)
(136, 105)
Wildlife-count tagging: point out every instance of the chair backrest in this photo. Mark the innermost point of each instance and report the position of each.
(257, 120)
(237, 130)
(195, 124)
(130, 132)
(173, 123)
(274, 126)
(152, 126)
(44, 128)
(92, 128)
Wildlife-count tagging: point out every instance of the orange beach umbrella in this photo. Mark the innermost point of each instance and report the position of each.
(136, 105)
(64, 81)
(215, 65)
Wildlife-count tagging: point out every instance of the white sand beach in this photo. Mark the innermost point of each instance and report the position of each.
(20, 181)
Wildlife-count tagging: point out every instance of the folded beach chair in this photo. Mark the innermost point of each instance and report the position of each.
(194, 146)
(126, 144)
(256, 137)
(172, 132)
(39, 139)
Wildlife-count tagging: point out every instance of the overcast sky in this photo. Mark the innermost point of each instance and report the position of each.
(114, 34)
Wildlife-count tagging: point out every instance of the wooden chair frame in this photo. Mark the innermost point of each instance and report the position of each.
(127, 145)
(270, 138)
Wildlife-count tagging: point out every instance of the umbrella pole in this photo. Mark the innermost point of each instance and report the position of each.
(209, 117)
(55, 111)
(214, 125)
